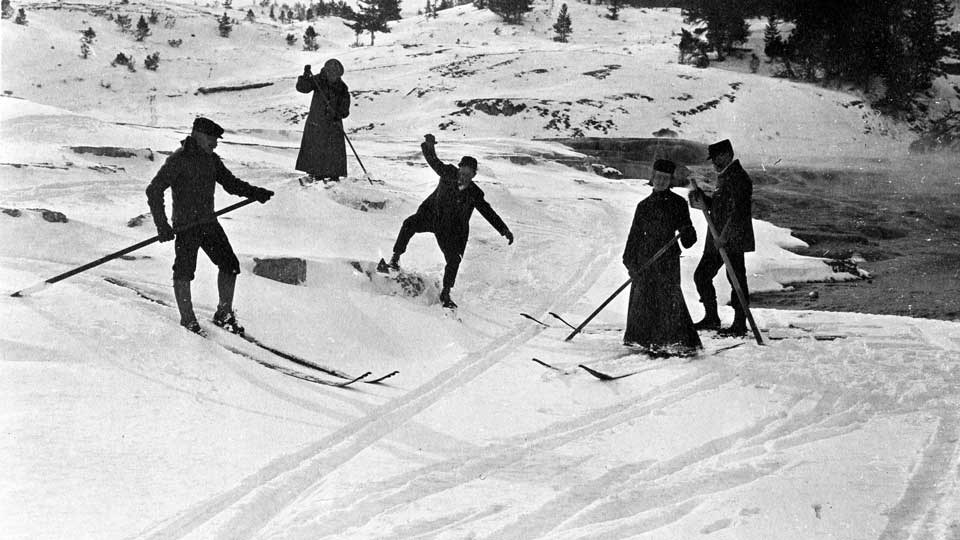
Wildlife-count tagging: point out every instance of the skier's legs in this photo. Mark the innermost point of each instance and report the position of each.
(740, 271)
(710, 263)
(185, 248)
(214, 242)
(452, 255)
(417, 223)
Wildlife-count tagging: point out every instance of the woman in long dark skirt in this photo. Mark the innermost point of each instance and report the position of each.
(323, 153)
(657, 318)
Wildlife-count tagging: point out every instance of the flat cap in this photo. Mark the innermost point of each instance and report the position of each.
(468, 161)
(207, 126)
(718, 148)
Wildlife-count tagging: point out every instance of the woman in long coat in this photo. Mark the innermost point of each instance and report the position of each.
(322, 150)
(657, 318)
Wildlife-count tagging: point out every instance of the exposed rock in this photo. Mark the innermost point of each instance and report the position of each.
(665, 132)
(12, 212)
(292, 271)
(50, 215)
(138, 221)
(114, 151)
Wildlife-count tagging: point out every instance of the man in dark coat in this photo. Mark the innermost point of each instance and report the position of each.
(446, 213)
(192, 173)
(323, 154)
(730, 209)
(657, 317)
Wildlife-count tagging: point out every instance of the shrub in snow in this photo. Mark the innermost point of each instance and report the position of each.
(225, 26)
(21, 17)
(613, 11)
(7, 9)
(174, 42)
(291, 39)
(310, 39)
(152, 62)
(250, 16)
(124, 22)
(273, 15)
(143, 29)
(169, 21)
(154, 17)
(86, 39)
(563, 27)
(227, 4)
(123, 60)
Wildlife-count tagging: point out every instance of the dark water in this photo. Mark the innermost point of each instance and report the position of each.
(902, 218)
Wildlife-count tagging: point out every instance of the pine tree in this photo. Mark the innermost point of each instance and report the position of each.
(563, 27)
(227, 4)
(370, 19)
(143, 29)
(7, 9)
(250, 16)
(725, 22)
(613, 11)
(124, 22)
(291, 39)
(512, 11)
(86, 39)
(224, 25)
(390, 9)
(154, 17)
(21, 17)
(152, 61)
(273, 16)
(310, 39)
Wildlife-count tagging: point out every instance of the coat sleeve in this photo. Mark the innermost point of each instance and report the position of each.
(231, 184)
(633, 242)
(688, 234)
(342, 106)
(439, 167)
(305, 84)
(490, 215)
(158, 185)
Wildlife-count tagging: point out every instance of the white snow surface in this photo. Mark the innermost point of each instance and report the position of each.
(117, 423)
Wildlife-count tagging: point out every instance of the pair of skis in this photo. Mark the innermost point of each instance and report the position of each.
(345, 379)
(607, 377)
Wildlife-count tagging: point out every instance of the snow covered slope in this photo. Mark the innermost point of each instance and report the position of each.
(118, 424)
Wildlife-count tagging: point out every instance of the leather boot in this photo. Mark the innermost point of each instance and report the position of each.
(181, 291)
(710, 321)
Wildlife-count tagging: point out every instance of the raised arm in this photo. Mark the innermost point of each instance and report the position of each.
(430, 154)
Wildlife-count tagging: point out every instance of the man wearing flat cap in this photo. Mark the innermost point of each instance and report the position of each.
(730, 209)
(657, 316)
(192, 173)
(323, 153)
(446, 213)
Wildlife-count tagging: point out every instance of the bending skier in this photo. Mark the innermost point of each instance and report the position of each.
(192, 173)
(446, 213)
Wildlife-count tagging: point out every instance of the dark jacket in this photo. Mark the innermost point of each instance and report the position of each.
(322, 149)
(451, 208)
(657, 219)
(730, 208)
(191, 174)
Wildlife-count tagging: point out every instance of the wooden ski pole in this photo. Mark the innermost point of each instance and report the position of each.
(733, 278)
(44, 284)
(646, 265)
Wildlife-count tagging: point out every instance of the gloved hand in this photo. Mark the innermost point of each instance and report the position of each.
(509, 236)
(165, 232)
(430, 139)
(697, 199)
(261, 195)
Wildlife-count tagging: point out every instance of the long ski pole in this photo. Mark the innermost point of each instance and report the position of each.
(646, 265)
(44, 284)
(733, 278)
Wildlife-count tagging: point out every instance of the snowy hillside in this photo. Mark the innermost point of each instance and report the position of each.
(119, 424)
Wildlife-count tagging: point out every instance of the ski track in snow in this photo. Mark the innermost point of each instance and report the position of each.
(245, 510)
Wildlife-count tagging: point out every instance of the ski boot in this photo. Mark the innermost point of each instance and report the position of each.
(194, 326)
(227, 319)
(445, 300)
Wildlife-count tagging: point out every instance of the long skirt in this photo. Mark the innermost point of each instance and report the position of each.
(323, 152)
(657, 318)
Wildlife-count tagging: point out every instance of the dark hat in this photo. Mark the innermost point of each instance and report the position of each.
(207, 126)
(334, 66)
(664, 165)
(468, 161)
(718, 148)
